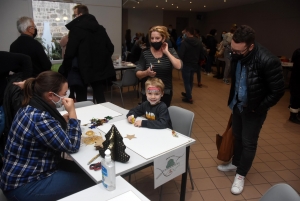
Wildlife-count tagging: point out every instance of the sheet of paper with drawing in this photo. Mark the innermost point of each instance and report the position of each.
(146, 142)
(85, 114)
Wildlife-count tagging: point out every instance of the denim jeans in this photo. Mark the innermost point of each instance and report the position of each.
(58, 185)
(246, 127)
(188, 76)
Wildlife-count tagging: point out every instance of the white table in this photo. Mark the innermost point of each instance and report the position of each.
(135, 162)
(98, 192)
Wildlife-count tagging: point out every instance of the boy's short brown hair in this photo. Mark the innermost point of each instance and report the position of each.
(154, 81)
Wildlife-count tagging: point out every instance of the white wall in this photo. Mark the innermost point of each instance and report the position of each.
(11, 10)
(107, 12)
(140, 20)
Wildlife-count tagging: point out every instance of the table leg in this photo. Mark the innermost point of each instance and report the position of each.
(184, 176)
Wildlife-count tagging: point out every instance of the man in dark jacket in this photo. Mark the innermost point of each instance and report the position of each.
(211, 45)
(89, 42)
(26, 44)
(191, 51)
(257, 85)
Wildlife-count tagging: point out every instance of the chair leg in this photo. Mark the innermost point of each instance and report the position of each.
(129, 178)
(160, 193)
(190, 174)
(121, 96)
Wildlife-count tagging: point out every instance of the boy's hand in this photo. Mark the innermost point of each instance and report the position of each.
(138, 123)
(131, 119)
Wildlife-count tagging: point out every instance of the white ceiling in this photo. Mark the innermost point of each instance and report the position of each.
(185, 5)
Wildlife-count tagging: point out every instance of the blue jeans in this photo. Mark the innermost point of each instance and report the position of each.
(58, 185)
(246, 127)
(209, 62)
(188, 76)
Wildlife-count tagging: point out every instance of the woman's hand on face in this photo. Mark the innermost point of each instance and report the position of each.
(150, 73)
(69, 104)
(165, 47)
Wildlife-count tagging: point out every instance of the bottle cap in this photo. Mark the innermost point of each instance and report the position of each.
(107, 155)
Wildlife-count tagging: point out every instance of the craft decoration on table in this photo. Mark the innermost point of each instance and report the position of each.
(114, 142)
(130, 136)
(132, 119)
(98, 122)
(92, 139)
(174, 133)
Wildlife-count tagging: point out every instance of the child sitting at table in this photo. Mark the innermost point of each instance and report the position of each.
(155, 111)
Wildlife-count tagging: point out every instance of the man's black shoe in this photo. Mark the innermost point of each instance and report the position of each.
(188, 100)
(183, 94)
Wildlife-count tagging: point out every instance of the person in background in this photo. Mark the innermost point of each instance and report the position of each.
(63, 44)
(295, 88)
(163, 60)
(39, 128)
(257, 84)
(26, 44)
(220, 58)
(128, 39)
(211, 45)
(155, 111)
(173, 36)
(226, 43)
(202, 60)
(191, 52)
(90, 44)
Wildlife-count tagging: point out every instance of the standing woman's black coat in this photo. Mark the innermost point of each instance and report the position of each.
(295, 76)
(89, 42)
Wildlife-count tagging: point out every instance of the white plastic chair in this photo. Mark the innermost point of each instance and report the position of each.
(280, 192)
(129, 79)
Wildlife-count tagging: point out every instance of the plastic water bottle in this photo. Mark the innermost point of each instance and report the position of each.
(108, 172)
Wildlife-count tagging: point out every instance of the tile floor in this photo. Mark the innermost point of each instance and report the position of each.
(277, 159)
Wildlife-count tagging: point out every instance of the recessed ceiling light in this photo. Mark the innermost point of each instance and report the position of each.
(177, 7)
(190, 9)
(138, 2)
(225, 1)
(156, 6)
(192, 2)
(162, 8)
(204, 6)
(133, 7)
(172, 4)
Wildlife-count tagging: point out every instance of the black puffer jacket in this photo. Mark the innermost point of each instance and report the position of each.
(89, 42)
(265, 79)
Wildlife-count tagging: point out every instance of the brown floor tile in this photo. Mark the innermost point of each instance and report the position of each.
(272, 177)
(210, 146)
(204, 184)
(275, 165)
(296, 172)
(290, 164)
(287, 175)
(211, 195)
(199, 173)
(279, 156)
(266, 157)
(222, 182)
(172, 196)
(262, 188)
(270, 149)
(256, 178)
(193, 196)
(261, 167)
(295, 185)
(208, 162)
(194, 163)
(228, 196)
(202, 154)
(214, 172)
(291, 155)
(250, 192)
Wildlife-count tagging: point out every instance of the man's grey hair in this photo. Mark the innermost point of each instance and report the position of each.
(23, 23)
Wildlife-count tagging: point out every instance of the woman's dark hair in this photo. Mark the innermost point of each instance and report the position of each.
(44, 82)
(244, 34)
(191, 30)
(82, 9)
(213, 32)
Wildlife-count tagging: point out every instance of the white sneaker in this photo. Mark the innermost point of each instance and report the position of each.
(227, 167)
(238, 184)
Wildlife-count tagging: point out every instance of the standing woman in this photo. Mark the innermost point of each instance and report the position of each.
(32, 163)
(163, 60)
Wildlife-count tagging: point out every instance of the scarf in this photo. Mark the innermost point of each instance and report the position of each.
(39, 103)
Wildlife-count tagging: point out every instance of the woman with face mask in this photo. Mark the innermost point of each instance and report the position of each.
(33, 168)
(158, 61)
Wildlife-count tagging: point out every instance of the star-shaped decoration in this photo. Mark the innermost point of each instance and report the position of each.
(130, 136)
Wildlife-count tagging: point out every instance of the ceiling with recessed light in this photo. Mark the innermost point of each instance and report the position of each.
(186, 5)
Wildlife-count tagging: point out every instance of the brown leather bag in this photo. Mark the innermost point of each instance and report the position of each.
(225, 143)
